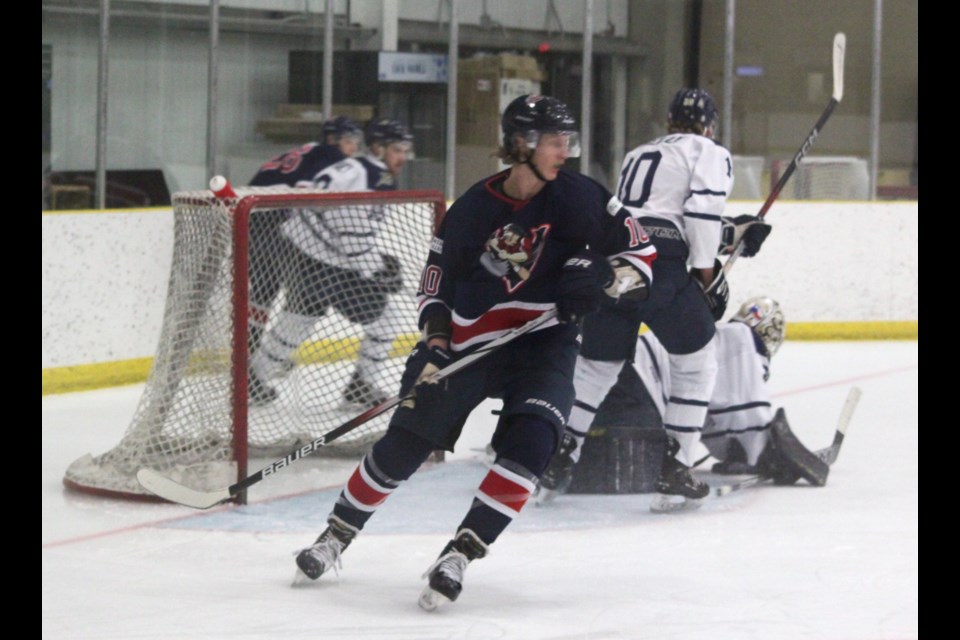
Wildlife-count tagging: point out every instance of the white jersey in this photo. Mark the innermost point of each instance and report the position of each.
(345, 237)
(683, 178)
(740, 405)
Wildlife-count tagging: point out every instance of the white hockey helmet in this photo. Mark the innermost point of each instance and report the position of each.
(764, 316)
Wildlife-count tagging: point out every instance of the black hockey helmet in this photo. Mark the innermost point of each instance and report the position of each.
(341, 126)
(693, 110)
(531, 115)
(384, 131)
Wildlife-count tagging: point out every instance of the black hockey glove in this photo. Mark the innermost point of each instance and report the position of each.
(581, 285)
(422, 363)
(389, 277)
(750, 229)
(717, 293)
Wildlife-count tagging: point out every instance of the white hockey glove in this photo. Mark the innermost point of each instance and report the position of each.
(628, 282)
(750, 229)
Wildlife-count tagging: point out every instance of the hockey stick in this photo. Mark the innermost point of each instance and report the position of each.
(827, 454)
(164, 487)
(839, 49)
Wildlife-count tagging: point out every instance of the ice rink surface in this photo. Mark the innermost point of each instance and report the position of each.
(765, 563)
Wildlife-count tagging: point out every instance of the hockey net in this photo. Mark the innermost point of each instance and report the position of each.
(824, 178)
(194, 422)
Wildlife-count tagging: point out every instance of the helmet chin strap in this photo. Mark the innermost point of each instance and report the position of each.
(529, 162)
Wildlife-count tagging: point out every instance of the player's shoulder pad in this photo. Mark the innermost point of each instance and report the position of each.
(717, 147)
(329, 153)
(742, 333)
(717, 143)
(346, 165)
(581, 190)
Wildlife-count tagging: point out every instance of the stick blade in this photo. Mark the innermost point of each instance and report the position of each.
(168, 489)
(853, 397)
(839, 52)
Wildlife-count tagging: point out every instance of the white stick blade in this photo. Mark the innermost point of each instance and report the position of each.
(853, 397)
(167, 489)
(839, 52)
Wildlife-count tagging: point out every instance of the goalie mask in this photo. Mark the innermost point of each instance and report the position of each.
(765, 317)
(693, 110)
(530, 116)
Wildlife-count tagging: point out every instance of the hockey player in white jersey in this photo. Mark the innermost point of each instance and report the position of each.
(269, 249)
(338, 265)
(676, 187)
(740, 429)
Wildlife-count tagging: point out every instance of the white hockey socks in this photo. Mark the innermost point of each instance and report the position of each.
(692, 378)
(280, 343)
(377, 342)
(592, 381)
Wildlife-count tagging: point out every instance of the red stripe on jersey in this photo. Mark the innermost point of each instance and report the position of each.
(496, 320)
(507, 492)
(498, 192)
(363, 492)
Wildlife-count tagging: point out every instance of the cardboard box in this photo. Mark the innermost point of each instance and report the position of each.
(506, 65)
(474, 163)
(485, 86)
(304, 122)
(362, 113)
(481, 99)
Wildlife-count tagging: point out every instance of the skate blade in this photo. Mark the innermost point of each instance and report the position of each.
(300, 579)
(663, 503)
(543, 497)
(430, 599)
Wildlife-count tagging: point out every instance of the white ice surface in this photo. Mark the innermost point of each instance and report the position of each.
(764, 563)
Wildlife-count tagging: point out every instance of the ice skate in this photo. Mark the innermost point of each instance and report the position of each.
(260, 393)
(445, 576)
(676, 487)
(557, 477)
(361, 394)
(323, 554)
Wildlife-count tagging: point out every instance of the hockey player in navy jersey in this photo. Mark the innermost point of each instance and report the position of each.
(740, 429)
(336, 264)
(511, 248)
(269, 251)
(676, 187)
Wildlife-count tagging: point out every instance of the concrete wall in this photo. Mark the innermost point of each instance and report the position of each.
(104, 275)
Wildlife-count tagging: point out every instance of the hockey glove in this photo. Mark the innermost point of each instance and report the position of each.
(628, 282)
(423, 363)
(581, 285)
(389, 277)
(717, 293)
(751, 230)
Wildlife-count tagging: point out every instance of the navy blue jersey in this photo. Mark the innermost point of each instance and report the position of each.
(297, 167)
(495, 261)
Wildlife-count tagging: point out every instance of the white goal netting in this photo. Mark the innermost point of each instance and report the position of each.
(825, 178)
(196, 421)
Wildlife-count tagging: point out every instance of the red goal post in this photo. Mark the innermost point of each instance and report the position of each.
(195, 422)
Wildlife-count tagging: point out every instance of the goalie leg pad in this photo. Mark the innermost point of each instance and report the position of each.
(794, 458)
